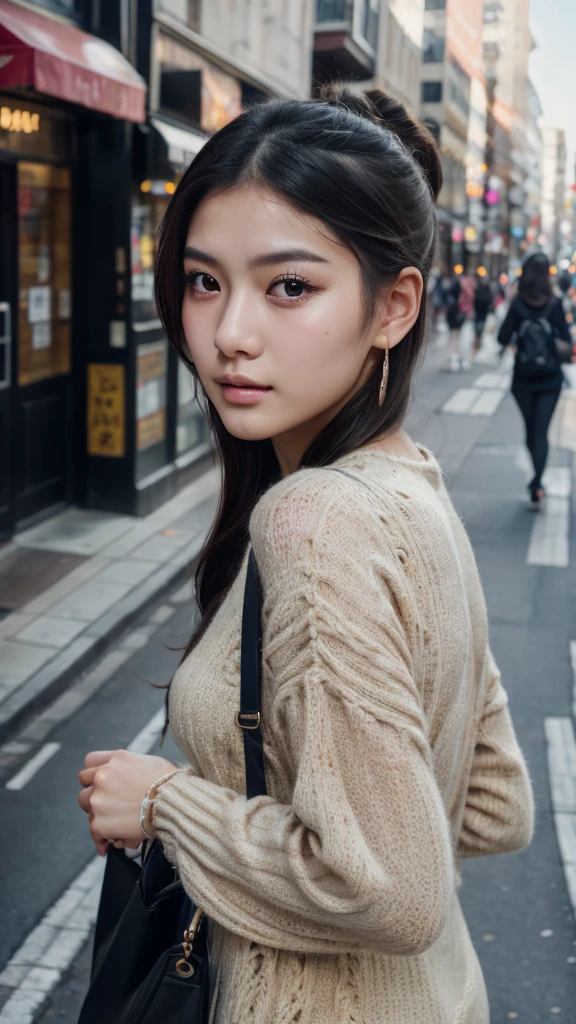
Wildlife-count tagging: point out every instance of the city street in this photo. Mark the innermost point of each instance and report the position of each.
(519, 907)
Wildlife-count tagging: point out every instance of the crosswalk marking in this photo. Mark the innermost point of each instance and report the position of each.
(573, 663)
(562, 774)
(474, 401)
(461, 401)
(549, 540)
(493, 380)
(487, 403)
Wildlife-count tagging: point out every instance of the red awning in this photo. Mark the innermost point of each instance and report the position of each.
(57, 59)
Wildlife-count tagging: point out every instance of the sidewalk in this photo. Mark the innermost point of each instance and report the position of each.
(70, 585)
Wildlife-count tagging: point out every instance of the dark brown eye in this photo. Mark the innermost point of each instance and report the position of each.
(206, 283)
(293, 288)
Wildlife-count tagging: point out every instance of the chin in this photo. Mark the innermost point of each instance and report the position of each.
(246, 428)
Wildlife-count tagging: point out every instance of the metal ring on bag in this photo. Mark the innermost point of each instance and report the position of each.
(184, 968)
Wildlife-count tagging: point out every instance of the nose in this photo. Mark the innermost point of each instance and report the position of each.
(237, 332)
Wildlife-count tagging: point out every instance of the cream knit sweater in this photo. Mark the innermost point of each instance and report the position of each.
(389, 755)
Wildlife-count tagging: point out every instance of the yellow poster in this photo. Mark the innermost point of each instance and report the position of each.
(106, 419)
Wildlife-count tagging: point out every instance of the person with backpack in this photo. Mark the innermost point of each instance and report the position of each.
(536, 326)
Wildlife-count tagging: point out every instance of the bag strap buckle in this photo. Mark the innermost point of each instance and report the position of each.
(248, 719)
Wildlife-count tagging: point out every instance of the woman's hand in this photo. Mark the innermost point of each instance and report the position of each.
(116, 782)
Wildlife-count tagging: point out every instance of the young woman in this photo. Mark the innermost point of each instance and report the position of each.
(291, 278)
(536, 391)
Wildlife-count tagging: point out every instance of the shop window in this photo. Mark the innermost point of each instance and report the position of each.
(194, 90)
(151, 373)
(147, 212)
(431, 92)
(187, 11)
(191, 426)
(69, 7)
(152, 357)
(433, 47)
(44, 266)
(459, 87)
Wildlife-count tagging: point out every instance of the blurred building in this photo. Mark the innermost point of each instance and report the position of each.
(533, 180)
(512, 104)
(453, 105)
(400, 50)
(553, 188)
(103, 104)
(370, 44)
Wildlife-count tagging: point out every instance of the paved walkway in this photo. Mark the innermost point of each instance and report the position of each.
(75, 582)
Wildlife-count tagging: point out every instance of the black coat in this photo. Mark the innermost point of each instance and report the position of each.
(555, 315)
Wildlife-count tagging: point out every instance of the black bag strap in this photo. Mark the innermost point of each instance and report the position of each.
(248, 718)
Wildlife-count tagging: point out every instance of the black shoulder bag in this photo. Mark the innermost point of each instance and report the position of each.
(151, 963)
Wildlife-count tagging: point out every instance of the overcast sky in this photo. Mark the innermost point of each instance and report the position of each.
(553, 67)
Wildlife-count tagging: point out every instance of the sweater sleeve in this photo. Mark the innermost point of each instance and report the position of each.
(361, 855)
(558, 318)
(509, 326)
(499, 813)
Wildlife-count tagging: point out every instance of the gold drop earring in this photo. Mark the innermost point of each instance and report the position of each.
(385, 371)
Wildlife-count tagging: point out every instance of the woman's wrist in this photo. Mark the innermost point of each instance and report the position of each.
(147, 808)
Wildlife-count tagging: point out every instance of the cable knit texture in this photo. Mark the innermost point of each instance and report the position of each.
(389, 755)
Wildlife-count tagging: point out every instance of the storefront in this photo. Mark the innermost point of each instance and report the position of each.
(171, 432)
(60, 88)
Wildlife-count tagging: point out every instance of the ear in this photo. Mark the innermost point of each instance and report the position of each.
(400, 307)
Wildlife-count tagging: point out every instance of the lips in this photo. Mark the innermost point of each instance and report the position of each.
(240, 390)
(237, 380)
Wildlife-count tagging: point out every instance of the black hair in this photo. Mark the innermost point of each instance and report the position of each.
(565, 281)
(534, 284)
(371, 174)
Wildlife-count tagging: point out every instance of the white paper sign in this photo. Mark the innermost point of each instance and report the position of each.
(41, 335)
(39, 303)
(64, 304)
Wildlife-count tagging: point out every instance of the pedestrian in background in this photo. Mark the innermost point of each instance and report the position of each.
(536, 326)
(455, 319)
(483, 305)
(566, 294)
(389, 750)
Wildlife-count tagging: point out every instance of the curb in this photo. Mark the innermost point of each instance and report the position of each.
(52, 679)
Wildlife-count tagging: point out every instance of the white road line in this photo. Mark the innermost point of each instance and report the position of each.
(549, 540)
(33, 766)
(482, 399)
(46, 954)
(36, 968)
(149, 735)
(461, 401)
(573, 663)
(487, 402)
(493, 380)
(562, 773)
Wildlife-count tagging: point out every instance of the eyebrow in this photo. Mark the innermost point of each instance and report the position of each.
(266, 260)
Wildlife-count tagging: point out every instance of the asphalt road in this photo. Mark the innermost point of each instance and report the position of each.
(518, 907)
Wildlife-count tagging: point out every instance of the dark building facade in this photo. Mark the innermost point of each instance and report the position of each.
(69, 97)
(103, 105)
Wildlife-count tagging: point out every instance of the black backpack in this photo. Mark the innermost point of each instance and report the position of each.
(536, 351)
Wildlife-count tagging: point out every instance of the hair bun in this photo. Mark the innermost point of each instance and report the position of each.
(390, 113)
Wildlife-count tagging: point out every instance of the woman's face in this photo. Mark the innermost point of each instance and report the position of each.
(273, 313)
